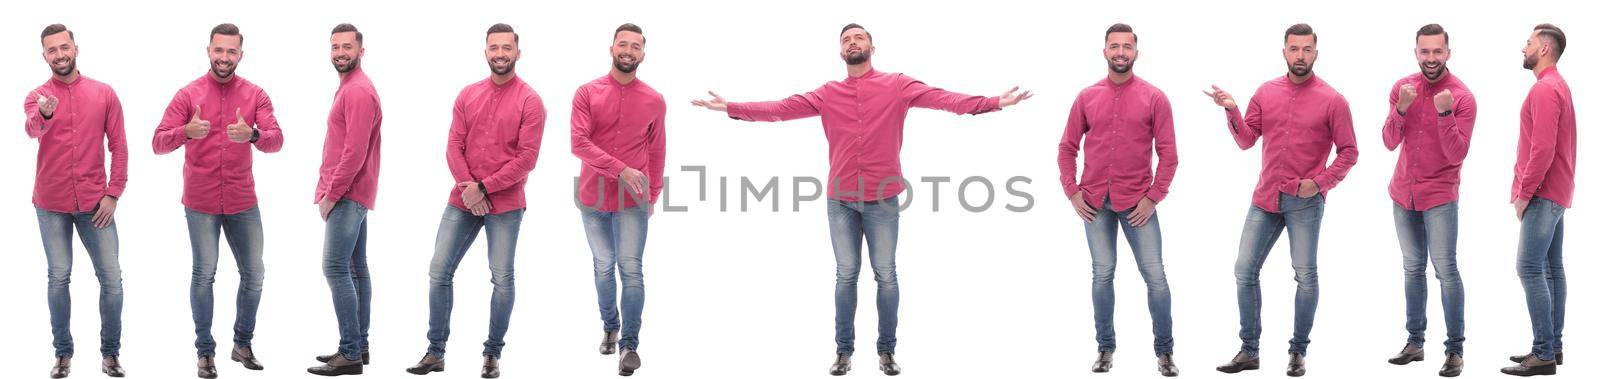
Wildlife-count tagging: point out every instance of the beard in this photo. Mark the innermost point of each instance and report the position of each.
(857, 57)
(1528, 61)
(1299, 70)
(72, 65)
(1120, 69)
(220, 72)
(626, 68)
(1433, 74)
(511, 66)
(347, 67)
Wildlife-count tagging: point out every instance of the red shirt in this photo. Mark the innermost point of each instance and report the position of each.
(1119, 126)
(1547, 147)
(494, 139)
(1432, 147)
(71, 175)
(864, 119)
(617, 126)
(350, 150)
(1299, 124)
(217, 175)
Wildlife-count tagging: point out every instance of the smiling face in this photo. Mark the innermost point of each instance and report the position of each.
(1432, 54)
(225, 54)
(1300, 53)
(345, 52)
(627, 51)
(1121, 51)
(61, 53)
(855, 46)
(502, 53)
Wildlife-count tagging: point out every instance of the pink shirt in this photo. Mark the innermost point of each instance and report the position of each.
(71, 173)
(864, 119)
(1299, 124)
(617, 126)
(350, 150)
(1432, 147)
(1547, 147)
(494, 139)
(1119, 126)
(217, 178)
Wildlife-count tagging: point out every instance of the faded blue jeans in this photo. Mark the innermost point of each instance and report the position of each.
(1145, 241)
(878, 222)
(617, 241)
(1425, 235)
(457, 229)
(245, 238)
(344, 263)
(55, 229)
(1544, 279)
(1302, 217)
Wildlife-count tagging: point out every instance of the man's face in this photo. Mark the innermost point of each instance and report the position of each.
(61, 53)
(502, 53)
(627, 51)
(1121, 51)
(1300, 52)
(855, 47)
(345, 52)
(225, 54)
(1530, 53)
(1432, 54)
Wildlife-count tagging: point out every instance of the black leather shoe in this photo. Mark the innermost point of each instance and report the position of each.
(1530, 367)
(886, 363)
(628, 363)
(112, 367)
(1240, 362)
(429, 363)
(337, 366)
(1452, 366)
(491, 367)
(1408, 354)
(244, 355)
(1165, 365)
(841, 365)
(1561, 359)
(608, 344)
(62, 368)
(1297, 365)
(206, 367)
(366, 357)
(1102, 362)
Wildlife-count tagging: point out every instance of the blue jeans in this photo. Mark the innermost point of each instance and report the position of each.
(1145, 241)
(344, 264)
(243, 231)
(1424, 235)
(879, 223)
(1544, 280)
(55, 229)
(1303, 218)
(617, 241)
(457, 230)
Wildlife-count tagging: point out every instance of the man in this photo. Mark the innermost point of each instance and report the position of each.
(219, 193)
(494, 143)
(1433, 136)
(863, 117)
(71, 190)
(346, 189)
(619, 131)
(1541, 191)
(1118, 189)
(1299, 118)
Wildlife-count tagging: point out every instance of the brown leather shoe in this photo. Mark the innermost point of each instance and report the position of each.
(1165, 365)
(338, 365)
(1531, 366)
(1408, 354)
(886, 363)
(1240, 362)
(1452, 366)
(366, 357)
(491, 367)
(628, 363)
(247, 357)
(112, 367)
(1102, 362)
(608, 343)
(62, 368)
(429, 363)
(206, 367)
(1561, 359)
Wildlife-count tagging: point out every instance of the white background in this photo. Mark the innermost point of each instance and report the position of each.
(733, 295)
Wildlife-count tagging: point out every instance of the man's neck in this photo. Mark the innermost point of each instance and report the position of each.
(69, 78)
(1539, 68)
(622, 77)
(1298, 79)
(857, 70)
(220, 80)
(502, 79)
(1119, 78)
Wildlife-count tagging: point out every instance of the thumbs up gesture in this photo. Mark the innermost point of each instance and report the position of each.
(197, 128)
(239, 131)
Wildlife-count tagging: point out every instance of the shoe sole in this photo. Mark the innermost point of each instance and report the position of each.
(439, 368)
(339, 372)
(1241, 369)
(1405, 362)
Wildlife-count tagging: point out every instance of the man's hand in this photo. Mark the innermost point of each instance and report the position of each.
(239, 131)
(477, 202)
(1085, 211)
(1308, 188)
(716, 103)
(108, 210)
(1443, 101)
(197, 128)
(325, 207)
(47, 104)
(1408, 93)
(1521, 207)
(1011, 97)
(633, 180)
(1222, 98)
(1141, 213)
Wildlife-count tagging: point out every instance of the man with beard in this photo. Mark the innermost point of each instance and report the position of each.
(1299, 118)
(495, 131)
(863, 117)
(219, 194)
(619, 131)
(1541, 191)
(347, 186)
(74, 118)
(1433, 137)
(1118, 182)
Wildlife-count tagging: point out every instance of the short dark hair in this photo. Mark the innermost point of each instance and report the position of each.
(56, 28)
(347, 28)
(227, 29)
(1434, 30)
(1554, 35)
(503, 28)
(1300, 30)
(1122, 28)
(629, 27)
(856, 26)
